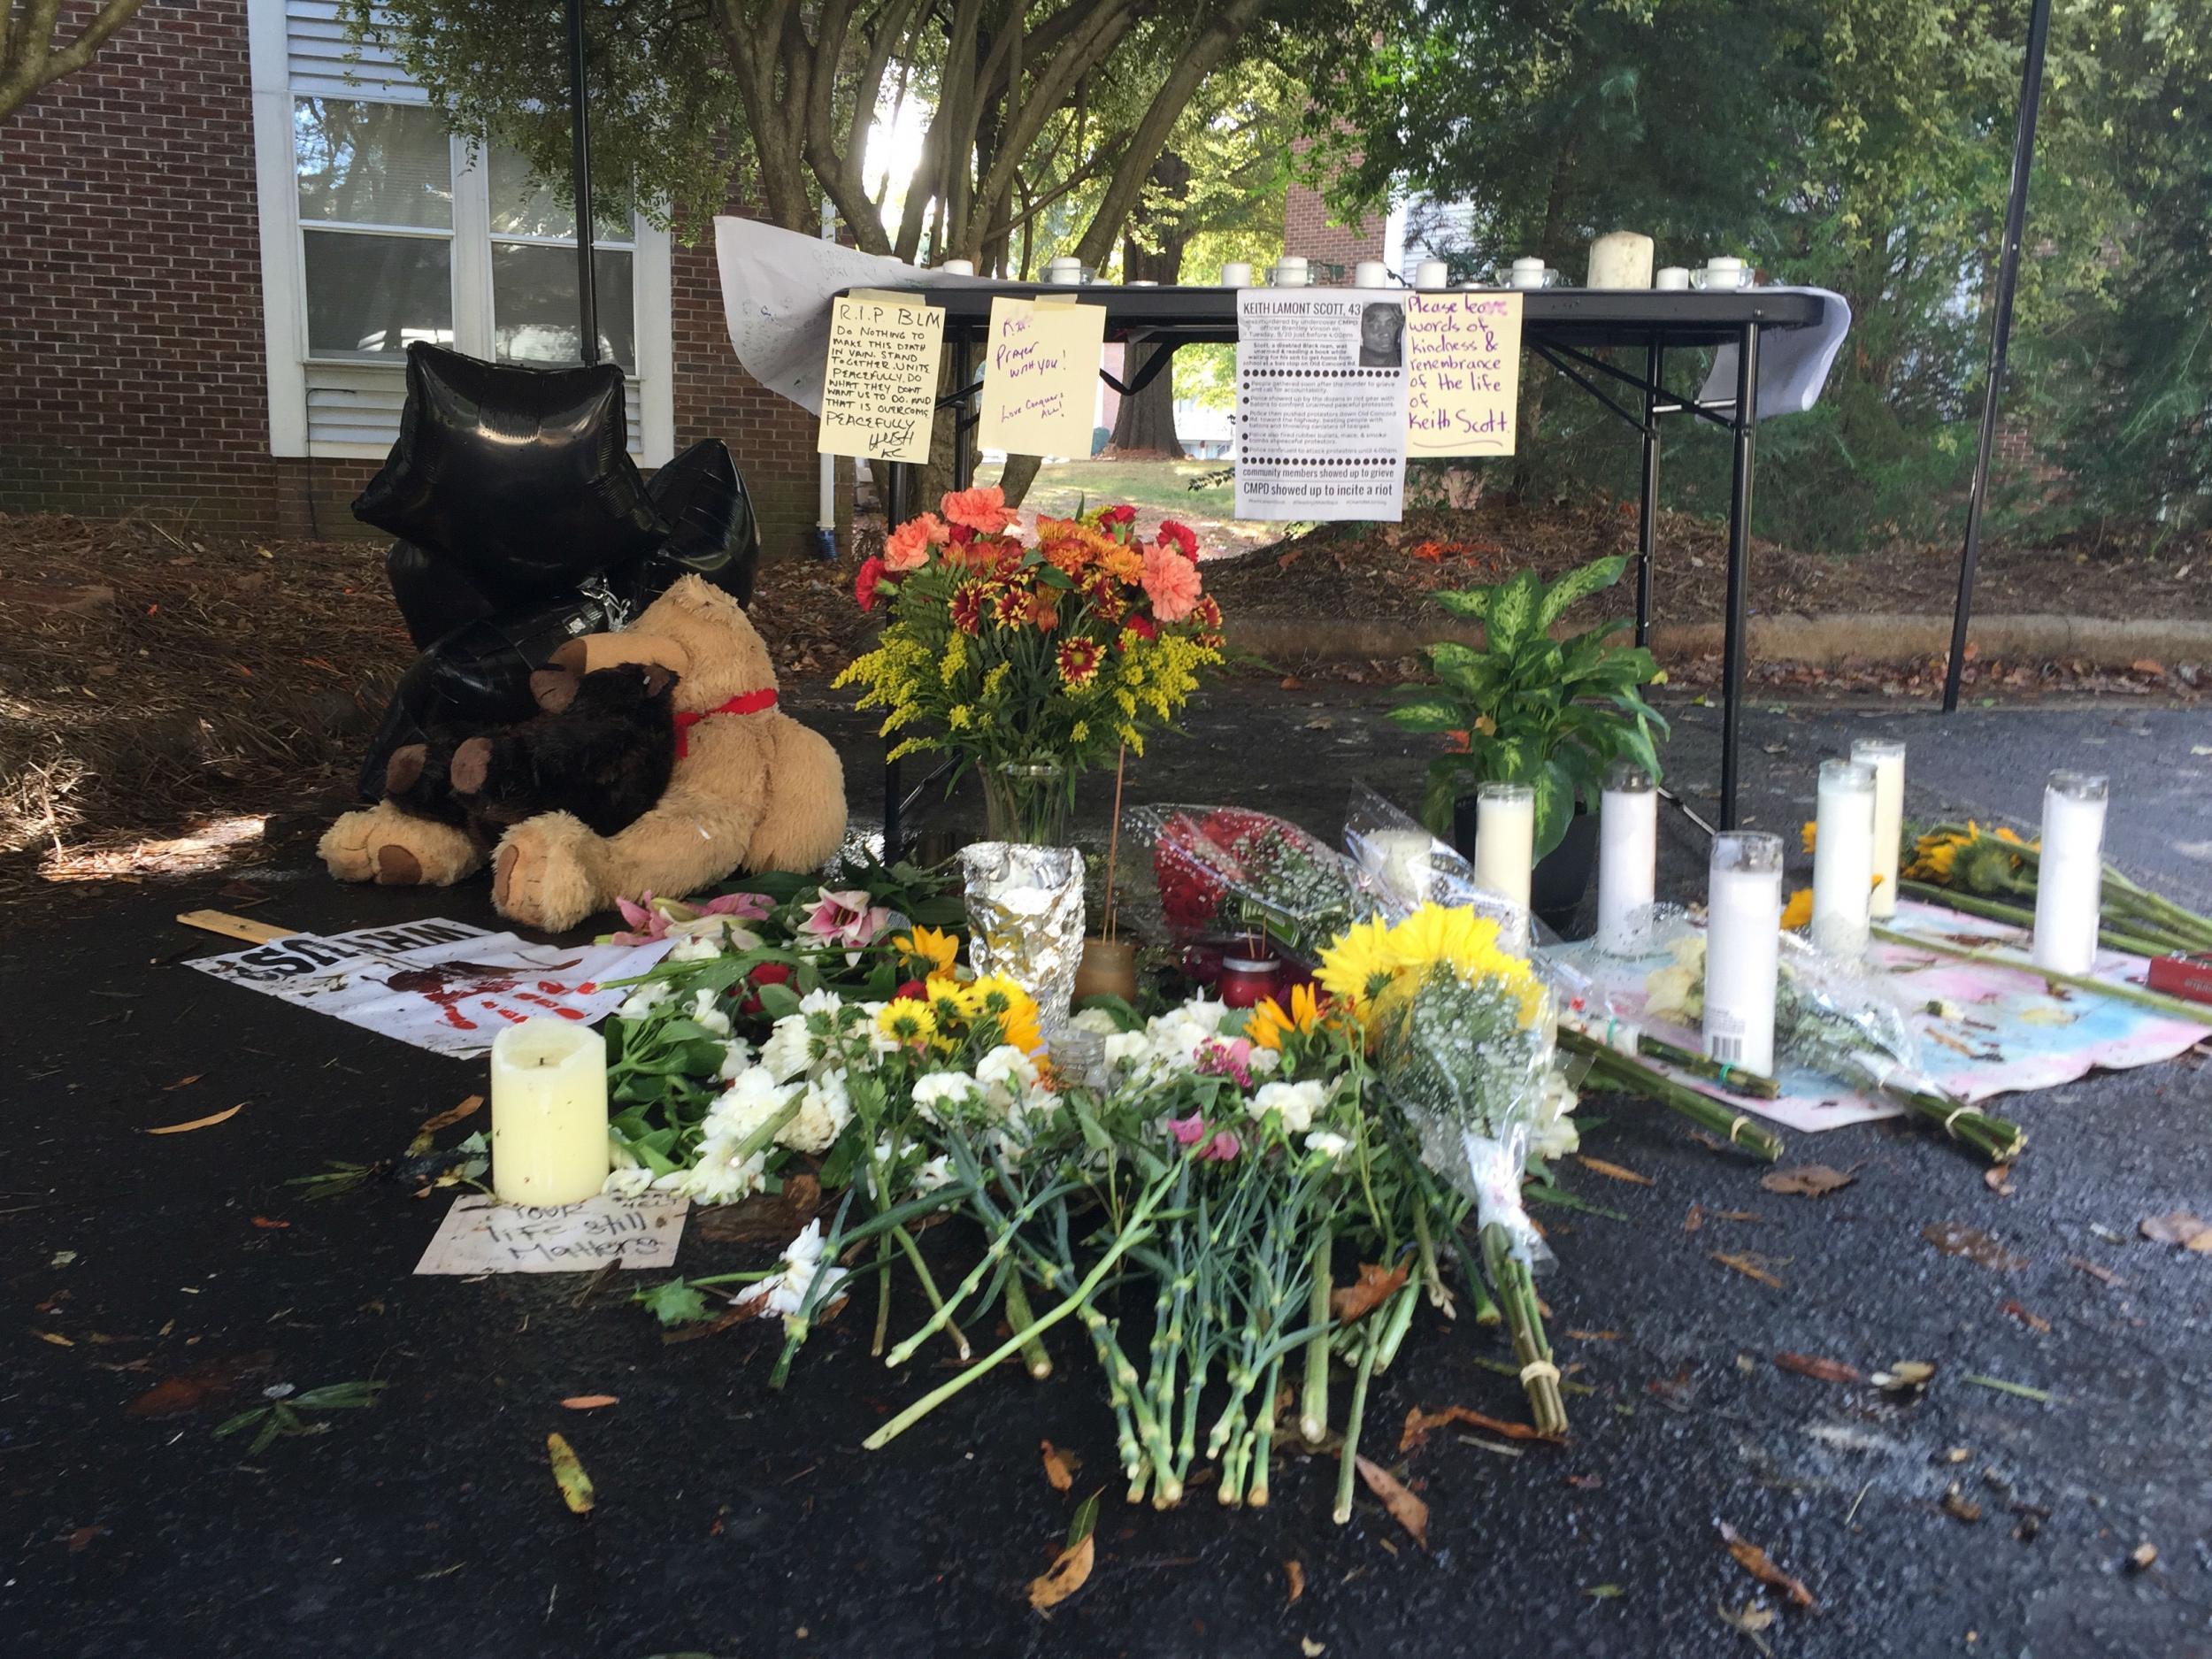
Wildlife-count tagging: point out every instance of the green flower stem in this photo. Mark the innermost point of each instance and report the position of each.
(1133, 1233)
(1399, 1321)
(1999, 1140)
(1517, 1294)
(1734, 1080)
(1313, 1412)
(883, 1297)
(1264, 1436)
(993, 1255)
(1635, 1077)
(1430, 1280)
(905, 1240)
(1020, 1316)
(2194, 1013)
(1348, 1460)
(1990, 909)
(767, 1130)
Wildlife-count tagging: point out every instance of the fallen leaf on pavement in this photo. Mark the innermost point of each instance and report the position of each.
(1955, 1238)
(190, 1390)
(1296, 1574)
(199, 1123)
(55, 1337)
(1748, 1266)
(1603, 1592)
(1408, 1510)
(269, 1223)
(445, 1120)
(2143, 1556)
(1059, 1467)
(1312, 1648)
(1906, 1373)
(1072, 1569)
(1614, 1171)
(588, 1403)
(569, 1475)
(1695, 1219)
(1807, 1180)
(1751, 1619)
(2178, 1227)
(1819, 1370)
(1957, 1505)
(1370, 1291)
(1756, 1562)
(182, 1082)
(1998, 1179)
(2104, 1275)
(1420, 1424)
(2035, 1322)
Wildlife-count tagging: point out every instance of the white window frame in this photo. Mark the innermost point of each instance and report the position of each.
(284, 278)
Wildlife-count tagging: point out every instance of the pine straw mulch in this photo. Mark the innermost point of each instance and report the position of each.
(166, 689)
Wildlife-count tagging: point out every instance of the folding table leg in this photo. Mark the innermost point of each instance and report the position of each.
(1648, 519)
(1738, 565)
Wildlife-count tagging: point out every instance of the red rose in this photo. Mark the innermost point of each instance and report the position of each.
(865, 584)
(913, 988)
(1181, 535)
(765, 974)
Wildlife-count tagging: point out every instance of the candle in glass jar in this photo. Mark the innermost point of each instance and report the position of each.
(1431, 274)
(1843, 856)
(1620, 259)
(1527, 273)
(1399, 859)
(2069, 876)
(1628, 856)
(1887, 756)
(1505, 839)
(1063, 272)
(1743, 941)
(548, 1113)
(1290, 271)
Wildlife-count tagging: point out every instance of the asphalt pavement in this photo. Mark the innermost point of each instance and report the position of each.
(156, 1284)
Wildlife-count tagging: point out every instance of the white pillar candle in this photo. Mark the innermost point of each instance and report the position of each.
(958, 267)
(2069, 878)
(1887, 756)
(1431, 274)
(1628, 856)
(1505, 839)
(1843, 857)
(1064, 272)
(1620, 259)
(1400, 860)
(1743, 943)
(1527, 273)
(1671, 278)
(548, 1113)
(1371, 274)
(1236, 273)
(1290, 271)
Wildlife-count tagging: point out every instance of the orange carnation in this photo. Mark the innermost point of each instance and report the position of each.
(907, 548)
(982, 510)
(1171, 581)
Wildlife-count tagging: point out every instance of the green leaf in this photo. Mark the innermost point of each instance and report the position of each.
(675, 1303)
(231, 1425)
(1085, 1519)
(337, 1396)
(1511, 617)
(1465, 601)
(1554, 806)
(777, 1001)
(1578, 585)
(1428, 714)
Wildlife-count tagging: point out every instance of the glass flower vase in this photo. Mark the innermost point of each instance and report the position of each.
(1027, 803)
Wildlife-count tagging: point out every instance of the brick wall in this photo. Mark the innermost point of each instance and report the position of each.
(1307, 230)
(130, 307)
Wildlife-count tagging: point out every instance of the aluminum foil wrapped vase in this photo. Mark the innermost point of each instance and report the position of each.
(1026, 918)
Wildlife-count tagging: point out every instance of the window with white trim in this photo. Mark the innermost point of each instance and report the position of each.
(379, 228)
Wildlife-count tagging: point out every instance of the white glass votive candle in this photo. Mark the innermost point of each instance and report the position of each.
(1843, 856)
(1671, 278)
(1620, 259)
(1505, 839)
(957, 267)
(1371, 274)
(1887, 756)
(1431, 274)
(1290, 271)
(1528, 272)
(2069, 877)
(1722, 271)
(1743, 943)
(1628, 856)
(1236, 273)
(1063, 272)
(548, 1113)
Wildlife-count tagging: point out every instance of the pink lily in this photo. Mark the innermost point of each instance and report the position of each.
(845, 919)
(1188, 1131)
(650, 918)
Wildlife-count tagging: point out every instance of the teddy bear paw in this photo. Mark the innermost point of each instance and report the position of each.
(542, 873)
(383, 845)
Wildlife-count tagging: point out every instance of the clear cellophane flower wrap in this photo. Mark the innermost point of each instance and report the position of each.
(1225, 869)
(1397, 866)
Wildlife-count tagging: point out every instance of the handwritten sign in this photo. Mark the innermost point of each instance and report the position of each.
(879, 388)
(1463, 361)
(1040, 377)
(481, 1235)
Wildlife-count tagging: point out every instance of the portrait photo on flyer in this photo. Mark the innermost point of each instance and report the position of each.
(1321, 404)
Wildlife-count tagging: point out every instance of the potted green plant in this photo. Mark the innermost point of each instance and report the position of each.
(1527, 708)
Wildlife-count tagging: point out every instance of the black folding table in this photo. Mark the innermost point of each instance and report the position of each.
(1564, 327)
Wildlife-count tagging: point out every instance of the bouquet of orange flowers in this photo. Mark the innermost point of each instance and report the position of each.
(1041, 660)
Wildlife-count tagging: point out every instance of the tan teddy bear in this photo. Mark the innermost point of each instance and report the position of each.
(752, 788)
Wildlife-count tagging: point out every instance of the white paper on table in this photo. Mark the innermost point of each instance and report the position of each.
(1793, 363)
(481, 1235)
(457, 985)
(1321, 403)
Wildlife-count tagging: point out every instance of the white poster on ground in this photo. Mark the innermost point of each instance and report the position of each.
(1321, 403)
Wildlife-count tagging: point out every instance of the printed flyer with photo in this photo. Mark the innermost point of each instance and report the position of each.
(1321, 403)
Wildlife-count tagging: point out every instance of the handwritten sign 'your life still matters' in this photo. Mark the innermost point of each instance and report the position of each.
(1463, 372)
(1040, 376)
(879, 388)
(481, 1235)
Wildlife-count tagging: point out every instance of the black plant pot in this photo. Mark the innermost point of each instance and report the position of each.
(1561, 876)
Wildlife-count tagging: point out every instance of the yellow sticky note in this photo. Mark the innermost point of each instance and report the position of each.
(880, 387)
(1040, 377)
(1463, 373)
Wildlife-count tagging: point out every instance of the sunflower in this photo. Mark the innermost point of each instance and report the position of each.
(1455, 937)
(1269, 1026)
(907, 1021)
(998, 999)
(929, 947)
(1798, 911)
(1360, 963)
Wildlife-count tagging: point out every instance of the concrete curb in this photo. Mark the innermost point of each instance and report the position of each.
(1820, 642)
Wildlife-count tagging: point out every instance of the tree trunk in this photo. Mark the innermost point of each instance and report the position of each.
(1144, 427)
